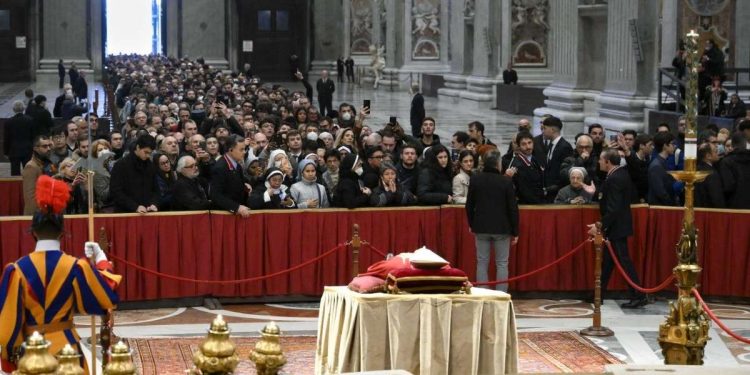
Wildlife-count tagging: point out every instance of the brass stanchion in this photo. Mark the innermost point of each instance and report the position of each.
(596, 329)
(684, 334)
(356, 245)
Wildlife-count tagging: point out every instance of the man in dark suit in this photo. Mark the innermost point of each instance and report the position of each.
(187, 191)
(228, 188)
(526, 171)
(554, 149)
(18, 139)
(325, 87)
(492, 213)
(61, 72)
(42, 118)
(416, 113)
(133, 185)
(615, 196)
(340, 69)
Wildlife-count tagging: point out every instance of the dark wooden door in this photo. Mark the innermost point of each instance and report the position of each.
(277, 31)
(15, 62)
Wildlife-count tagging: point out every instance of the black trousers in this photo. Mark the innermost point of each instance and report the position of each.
(326, 105)
(17, 164)
(620, 246)
(340, 75)
(62, 81)
(350, 75)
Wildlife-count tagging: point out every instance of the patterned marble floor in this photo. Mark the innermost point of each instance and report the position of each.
(635, 340)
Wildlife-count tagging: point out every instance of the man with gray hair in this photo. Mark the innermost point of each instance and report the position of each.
(492, 213)
(18, 138)
(188, 194)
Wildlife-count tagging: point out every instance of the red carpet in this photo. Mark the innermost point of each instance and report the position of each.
(538, 351)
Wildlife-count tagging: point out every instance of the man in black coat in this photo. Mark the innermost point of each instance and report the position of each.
(526, 171)
(416, 113)
(187, 192)
(340, 69)
(42, 118)
(709, 192)
(18, 139)
(615, 196)
(556, 149)
(61, 72)
(325, 87)
(735, 173)
(492, 214)
(228, 188)
(133, 186)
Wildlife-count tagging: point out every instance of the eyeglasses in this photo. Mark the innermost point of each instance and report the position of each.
(190, 166)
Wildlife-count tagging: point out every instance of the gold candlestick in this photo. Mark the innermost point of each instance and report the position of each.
(684, 334)
(120, 362)
(36, 359)
(217, 354)
(69, 362)
(267, 355)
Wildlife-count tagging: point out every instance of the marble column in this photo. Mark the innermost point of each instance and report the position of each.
(565, 99)
(203, 31)
(65, 29)
(742, 43)
(461, 49)
(480, 83)
(330, 35)
(392, 17)
(629, 78)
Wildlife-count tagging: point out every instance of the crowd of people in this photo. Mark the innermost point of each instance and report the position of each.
(195, 138)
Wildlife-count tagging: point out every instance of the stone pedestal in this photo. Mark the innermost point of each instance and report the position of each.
(479, 92)
(566, 104)
(66, 27)
(455, 84)
(204, 25)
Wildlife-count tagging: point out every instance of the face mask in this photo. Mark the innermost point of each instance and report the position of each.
(721, 150)
(359, 171)
(346, 116)
(277, 163)
(313, 136)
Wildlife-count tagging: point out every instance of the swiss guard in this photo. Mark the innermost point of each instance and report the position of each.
(43, 290)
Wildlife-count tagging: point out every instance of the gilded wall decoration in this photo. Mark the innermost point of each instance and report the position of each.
(529, 30)
(361, 26)
(425, 29)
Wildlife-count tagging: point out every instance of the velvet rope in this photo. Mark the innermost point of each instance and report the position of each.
(240, 281)
(717, 320)
(375, 249)
(635, 286)
(527, 274)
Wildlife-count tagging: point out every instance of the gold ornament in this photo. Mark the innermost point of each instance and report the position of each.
(121, 361)
(36, 359)
(216, 354)
(683, 336)
(69, 362)
(267, 355)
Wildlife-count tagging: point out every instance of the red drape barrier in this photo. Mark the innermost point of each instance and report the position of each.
(11, 196)
(219, 246)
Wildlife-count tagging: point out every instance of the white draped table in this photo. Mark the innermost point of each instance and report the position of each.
(419, 333)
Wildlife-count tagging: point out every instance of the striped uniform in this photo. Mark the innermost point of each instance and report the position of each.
(42, 291)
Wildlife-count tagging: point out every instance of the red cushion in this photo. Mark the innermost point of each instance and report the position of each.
(382, 268)
(367, 284)
(416, 280)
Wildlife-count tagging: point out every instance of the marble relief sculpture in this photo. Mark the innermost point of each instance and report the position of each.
(361, 26)
(529, 30)
(425, 28)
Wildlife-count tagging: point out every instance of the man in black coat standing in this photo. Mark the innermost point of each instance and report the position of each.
(61, 72)
(325, 87)
(133, 186)
(556, 149)
(188, 194)
(18, 139)
(340, 69)
(416, 113)
(615, 196)
(492, 214)
(228, 188)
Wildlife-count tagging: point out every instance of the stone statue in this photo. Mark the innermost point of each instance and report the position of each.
(520, 10)
(377, 64)
(539, 14)
(469, 7)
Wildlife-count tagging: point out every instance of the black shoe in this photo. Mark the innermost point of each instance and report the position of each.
(635, 303)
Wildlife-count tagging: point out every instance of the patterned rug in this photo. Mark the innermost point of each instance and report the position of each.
(545, 352)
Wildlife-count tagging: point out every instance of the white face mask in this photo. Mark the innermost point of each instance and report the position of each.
(359, 171)
(346, 116)
(313, 136)
(277, 163)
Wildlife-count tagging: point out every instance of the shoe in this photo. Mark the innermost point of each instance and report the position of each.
(635, 303)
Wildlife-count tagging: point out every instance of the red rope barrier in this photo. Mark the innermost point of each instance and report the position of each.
(635, 286)
(527, 274)
(375, 249)
(716, 319)
(240, 281)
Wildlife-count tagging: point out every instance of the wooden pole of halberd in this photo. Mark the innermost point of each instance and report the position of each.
(596, 328)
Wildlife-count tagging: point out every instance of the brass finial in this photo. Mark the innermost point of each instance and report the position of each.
(36, 359)
(267, 355)
(70, 362)
(217, 353)
(121, 362)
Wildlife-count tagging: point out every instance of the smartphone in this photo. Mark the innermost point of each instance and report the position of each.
(202, 145)
(366, 103)
(392, 120)
(613, 138)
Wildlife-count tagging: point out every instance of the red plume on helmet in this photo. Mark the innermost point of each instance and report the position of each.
(51, 195)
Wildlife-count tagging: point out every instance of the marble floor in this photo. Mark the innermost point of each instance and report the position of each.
(634, 342)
